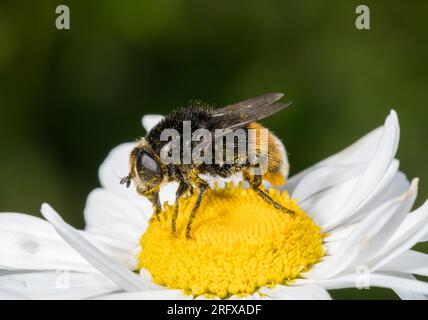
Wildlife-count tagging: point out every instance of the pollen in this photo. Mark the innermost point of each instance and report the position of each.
(238, 244)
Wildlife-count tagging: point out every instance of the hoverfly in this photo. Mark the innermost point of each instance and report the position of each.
(148, 172)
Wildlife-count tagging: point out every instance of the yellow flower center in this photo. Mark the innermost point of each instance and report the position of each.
(239, 243)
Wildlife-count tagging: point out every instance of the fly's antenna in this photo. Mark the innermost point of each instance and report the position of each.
(125, 180)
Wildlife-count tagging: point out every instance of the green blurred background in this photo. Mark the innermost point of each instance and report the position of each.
(68, 97)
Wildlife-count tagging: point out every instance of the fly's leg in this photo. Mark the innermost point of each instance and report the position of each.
(182, 188)
(203, 186)
(256, 182)
(154, 199)
(269, 200)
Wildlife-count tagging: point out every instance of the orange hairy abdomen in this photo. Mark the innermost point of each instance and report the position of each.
(275, 168)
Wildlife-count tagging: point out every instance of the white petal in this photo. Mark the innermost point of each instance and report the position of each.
(412, 262)
(151, 120)
(167, 294)
(367, 238)
(323, 205)
(120, 275)
(340, 233)
(331, 248)
(407, 294)
(359, 152)
(122, 233)
(54, 285)
(304, 292)
(114, 224)
(116, 215)
(410, 232)
(336, 189)
(392, 184)
(5, 295)
(409, 263)
(28, 242)
(123, 252)
(115, 167)
(394, 281)
(374, 172)
(322, 178)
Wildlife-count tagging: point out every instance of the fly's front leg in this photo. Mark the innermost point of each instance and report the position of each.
(158, 207)
(154, 199)
(202, 186)
(182, 188)
(256, 182)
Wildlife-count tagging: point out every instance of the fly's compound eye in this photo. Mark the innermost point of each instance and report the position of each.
(148, 168)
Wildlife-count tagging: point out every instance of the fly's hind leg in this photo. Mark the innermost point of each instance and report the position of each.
(256, 182)
(202, 186)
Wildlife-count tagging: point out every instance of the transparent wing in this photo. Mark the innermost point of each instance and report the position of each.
(239, 114)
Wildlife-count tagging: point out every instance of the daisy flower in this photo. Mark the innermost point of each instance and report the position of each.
(353, 227)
